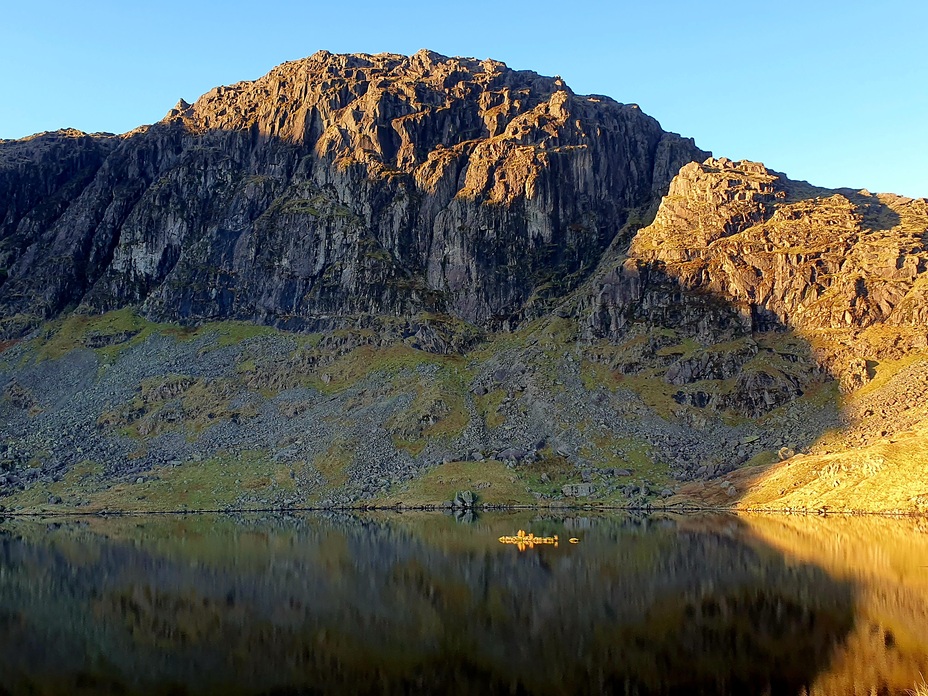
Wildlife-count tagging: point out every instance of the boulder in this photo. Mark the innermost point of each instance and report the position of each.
(578, 490)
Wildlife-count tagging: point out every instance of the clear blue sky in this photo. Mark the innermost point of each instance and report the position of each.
(832, 92)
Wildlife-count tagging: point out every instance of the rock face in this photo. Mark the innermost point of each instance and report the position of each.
(333, 187)
(41, 178)
(788, 253)
(424, 205)
(737, 251)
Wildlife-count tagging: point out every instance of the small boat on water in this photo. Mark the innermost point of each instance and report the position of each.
(529, 541)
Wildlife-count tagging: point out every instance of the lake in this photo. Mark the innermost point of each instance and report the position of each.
(430, 603)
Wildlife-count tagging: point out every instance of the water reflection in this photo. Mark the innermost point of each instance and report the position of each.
(524, 542)
(418, 602)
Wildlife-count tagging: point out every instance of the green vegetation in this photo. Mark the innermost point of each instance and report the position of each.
(488, 405)
(178, 402)
(438, 411)
(642, 350)
(350, 368)
(626, 453)
(685, 349)
(885, 370)
(301, 206)
(309, 201)
(549, 473)
(210, 484)
(232, 332)
(654, 392)
(762, 459)
(107, 334)
(632, 454)
(79, 482)
(436, 389)
(247, 367)
(596, 374)
(111, 333)
(334, 462)
(551, 334)
(490, 480)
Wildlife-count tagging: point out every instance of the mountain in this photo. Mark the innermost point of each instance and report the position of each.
(333, 187)
(378, 279)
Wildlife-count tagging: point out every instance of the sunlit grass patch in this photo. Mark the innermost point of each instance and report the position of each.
(490, 480)
(231, 332)
(885, 370)
(488, 405)
(107, 334)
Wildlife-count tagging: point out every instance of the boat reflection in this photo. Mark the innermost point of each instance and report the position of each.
(524, 541)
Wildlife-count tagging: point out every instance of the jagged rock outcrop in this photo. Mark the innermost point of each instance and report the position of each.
(40, 177)
(737, 250)
(791, 254)
(333, 187)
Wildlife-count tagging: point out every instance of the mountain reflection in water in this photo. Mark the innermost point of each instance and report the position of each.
(420, 603)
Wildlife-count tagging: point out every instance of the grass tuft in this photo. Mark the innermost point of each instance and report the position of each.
(490, 480)
(107, 334)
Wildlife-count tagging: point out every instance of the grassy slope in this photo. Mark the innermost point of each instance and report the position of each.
(220, 482)
(887, 474)
(492, 482)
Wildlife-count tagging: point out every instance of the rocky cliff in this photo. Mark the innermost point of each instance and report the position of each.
(333, 187)
(494, 283)
(737, 251)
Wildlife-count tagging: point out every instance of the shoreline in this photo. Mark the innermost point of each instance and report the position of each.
(488, 508)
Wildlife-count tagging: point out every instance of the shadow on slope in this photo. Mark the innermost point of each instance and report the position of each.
(750, 300)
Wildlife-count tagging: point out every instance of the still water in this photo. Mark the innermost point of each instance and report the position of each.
(426, 603)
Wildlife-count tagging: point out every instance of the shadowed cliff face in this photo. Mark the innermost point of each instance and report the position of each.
(40, 178)
(336, 186)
